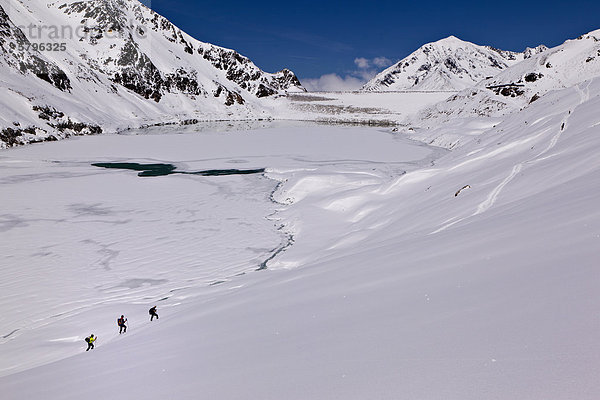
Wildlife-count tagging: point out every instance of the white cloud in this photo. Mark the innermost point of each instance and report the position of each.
(332, 83)
(354, 80)
(362, 63)
(365, 74)
(382, 62)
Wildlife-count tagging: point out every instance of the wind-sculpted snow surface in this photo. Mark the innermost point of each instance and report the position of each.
(394, 287)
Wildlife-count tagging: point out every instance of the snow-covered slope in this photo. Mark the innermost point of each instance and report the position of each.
(563, 66)
(475, 109)
(393, 270)
(397, 285)
(449, 64)
(111, 64)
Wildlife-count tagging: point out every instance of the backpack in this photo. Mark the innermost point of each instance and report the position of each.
(87, 339)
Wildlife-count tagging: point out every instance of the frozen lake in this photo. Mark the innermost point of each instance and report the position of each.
(82, 241)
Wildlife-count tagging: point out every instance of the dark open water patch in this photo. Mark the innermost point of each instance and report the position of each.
(170, 169)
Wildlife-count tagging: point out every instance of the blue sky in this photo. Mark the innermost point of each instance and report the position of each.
(351, 40)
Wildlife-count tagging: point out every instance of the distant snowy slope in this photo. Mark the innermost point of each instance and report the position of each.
(482, 106)
(563, 66)
(449, 64)
(116, 63)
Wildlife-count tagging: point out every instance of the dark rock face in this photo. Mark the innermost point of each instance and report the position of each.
(530, 52)
(532, 77)
(106, 14)
(55, 119)
(285, 79)
(231, 98)
(10, 136)
(16, 50)
(138, 73)
(264, 91)
(508, 90)
(507, 55)
(243, 72)
(494, 63)
(63, 124)
(48, 113)
(13, 137)
(184, 82)
(452, 65)
(77, 128)
(47, 72)
(424, 67)
(511, 91)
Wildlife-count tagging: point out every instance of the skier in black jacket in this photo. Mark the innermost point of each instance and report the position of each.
(153, 313)
(121, 322)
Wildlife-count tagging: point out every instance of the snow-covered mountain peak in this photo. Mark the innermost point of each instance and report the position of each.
(532, 51)
(541, 72)
(450, 41)
(449, 64)
(125, 62)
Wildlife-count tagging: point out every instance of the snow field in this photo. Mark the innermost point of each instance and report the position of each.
(395, 285)
(87, 241)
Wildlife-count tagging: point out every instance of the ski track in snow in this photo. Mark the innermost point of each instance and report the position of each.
(516, 169)
(493, 196)
(487, 203)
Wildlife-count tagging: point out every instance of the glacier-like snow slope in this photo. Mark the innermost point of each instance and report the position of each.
(396, 287)
(449, 64)
(122, 66)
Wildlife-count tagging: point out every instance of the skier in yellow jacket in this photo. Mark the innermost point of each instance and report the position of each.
(90, 341)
